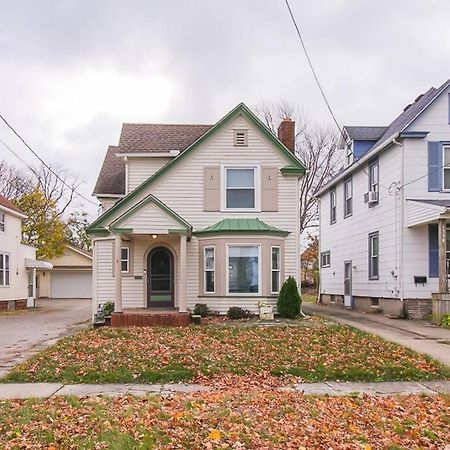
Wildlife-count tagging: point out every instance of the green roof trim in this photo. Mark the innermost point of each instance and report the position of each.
(239, 226)
(241, 108)
(292, 171)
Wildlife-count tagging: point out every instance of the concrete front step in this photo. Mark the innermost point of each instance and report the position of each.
(45, 390)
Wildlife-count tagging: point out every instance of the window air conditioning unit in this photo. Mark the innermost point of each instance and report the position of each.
(372, 197)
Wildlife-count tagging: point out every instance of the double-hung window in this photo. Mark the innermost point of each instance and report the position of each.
(2, 221)
(209, 269)
(374, 264)
(446, 168)
(4, 269)
(243, 269)
(125, 259)
(240, 188)
(333, 205)
(348, 198)
(373, 176)
(325, 259)
(276, 269)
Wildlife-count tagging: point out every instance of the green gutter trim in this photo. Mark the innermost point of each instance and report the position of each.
(178, 231)
(98, 232)
(118, 230)
(239, 109)
(264, 232)
(292, 171)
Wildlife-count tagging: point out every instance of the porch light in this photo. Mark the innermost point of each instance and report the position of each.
(154, 236)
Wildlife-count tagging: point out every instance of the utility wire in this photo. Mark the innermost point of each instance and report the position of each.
(44, 163)
(424, 176)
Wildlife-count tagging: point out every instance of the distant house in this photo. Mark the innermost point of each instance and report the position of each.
(384, 233)
(70, 278)
(197, 214)
(18, 264)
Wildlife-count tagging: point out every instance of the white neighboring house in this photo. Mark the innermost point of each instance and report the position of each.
(197, 214)
(18, 264)
(70, 278)
(384, 239)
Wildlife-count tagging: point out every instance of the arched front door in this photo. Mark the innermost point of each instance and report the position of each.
(160, 278)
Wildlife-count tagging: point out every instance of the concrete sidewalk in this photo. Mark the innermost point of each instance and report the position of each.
(418, 335)
(46, 390)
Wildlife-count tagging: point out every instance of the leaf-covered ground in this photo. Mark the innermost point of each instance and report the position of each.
(312, 352)
(263, 420)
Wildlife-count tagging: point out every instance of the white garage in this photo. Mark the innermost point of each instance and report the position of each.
(71, 284)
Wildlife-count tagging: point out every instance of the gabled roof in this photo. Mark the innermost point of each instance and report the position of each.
(295, 166)
(157, 137)
(111, 179)
(242, 226)
(365, 133)
(7, 204)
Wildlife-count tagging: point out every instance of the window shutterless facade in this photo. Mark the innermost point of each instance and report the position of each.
(241, 192)
(325, 260)
(333, 205)
(276, 269)
(446, 168)
(348, 198)
(374, 176)
(374, 264)
(209, 262)
(4, 269)
(125, 259)
(2, 221)
(243, 269)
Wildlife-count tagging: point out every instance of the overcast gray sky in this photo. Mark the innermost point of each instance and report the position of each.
(73, 70)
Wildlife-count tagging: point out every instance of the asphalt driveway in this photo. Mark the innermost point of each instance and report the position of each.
(23, 333)
(418, 335)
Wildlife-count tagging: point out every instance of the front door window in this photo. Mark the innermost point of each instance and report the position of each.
(160, 278)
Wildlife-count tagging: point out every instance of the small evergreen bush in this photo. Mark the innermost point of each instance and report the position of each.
(236, 313)
(108, 309)
(445, 321)
(201, 309)
(289, 301)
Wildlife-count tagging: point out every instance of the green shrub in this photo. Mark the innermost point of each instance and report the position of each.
(201, 309)
(445, 321)
(108, 309)
(236, 313)
(289, 301)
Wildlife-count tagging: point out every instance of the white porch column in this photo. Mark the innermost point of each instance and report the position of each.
(442, 233)
(182, 301)
(34, 286)
(117, 273)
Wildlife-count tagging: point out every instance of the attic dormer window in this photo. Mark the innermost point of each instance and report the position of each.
(240, 138)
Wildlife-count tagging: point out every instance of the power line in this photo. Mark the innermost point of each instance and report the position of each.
(17, 156)
(423, 176)
(44, 163)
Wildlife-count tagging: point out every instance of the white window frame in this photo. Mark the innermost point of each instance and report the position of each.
(374, 183)
(325, 254)
(2, 222)
(127, 259)
(275, 270)
(333, 195)
(257, 187)
(4, 255)
(444, 167)
(205, 269)
(349, 155)
(348, 213)
(372, 236)
(243, 294)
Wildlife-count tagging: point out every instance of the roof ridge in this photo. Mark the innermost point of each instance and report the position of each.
(169, 124)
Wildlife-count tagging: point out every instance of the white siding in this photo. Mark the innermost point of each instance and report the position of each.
(140, 168)
(104, 281)
(106, 203)
(182, 190)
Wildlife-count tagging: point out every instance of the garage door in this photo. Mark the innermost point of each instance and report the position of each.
(71, 285)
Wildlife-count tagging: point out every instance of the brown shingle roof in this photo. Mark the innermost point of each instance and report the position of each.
(7, 204)
(143, 138)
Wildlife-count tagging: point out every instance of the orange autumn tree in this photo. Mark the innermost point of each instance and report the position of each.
(310, 263)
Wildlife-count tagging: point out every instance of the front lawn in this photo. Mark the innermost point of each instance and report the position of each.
(316, 350)
(257, 420)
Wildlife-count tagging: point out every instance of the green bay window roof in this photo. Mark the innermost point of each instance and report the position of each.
(237, 226)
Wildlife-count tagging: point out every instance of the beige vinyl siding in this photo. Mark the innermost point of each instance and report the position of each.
(182, 190)
(71, 258)
(104, 282)
(140, 168)
(106, 203)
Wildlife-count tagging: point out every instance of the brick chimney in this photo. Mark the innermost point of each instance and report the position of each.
(286, 133)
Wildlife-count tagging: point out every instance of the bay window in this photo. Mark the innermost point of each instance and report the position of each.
(209, 269)
(243, 269)
(276, 259)
(240, 188)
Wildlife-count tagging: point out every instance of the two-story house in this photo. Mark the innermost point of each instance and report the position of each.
(18, 264)
(383, 218)
(196, 214)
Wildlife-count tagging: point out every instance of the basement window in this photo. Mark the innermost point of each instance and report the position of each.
(240, 138)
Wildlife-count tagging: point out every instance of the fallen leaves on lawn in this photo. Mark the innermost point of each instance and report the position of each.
(257, 420)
